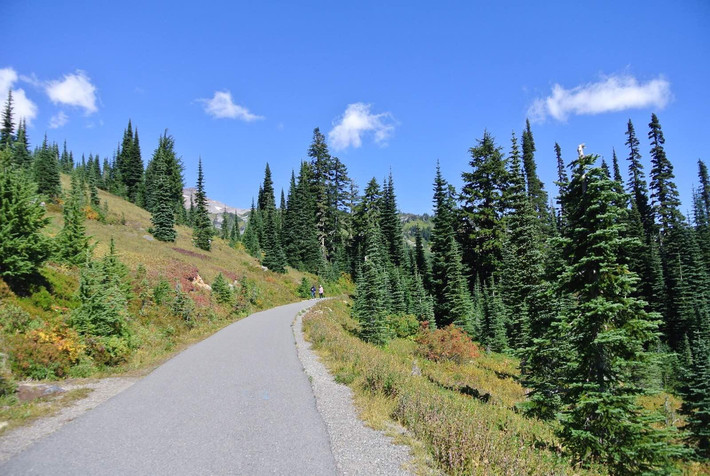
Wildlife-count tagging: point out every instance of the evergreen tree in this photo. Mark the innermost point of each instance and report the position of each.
(535, 187)
(702, 214)
(163, 211)
(601, 420)
(452, 302)
(637, 182)
(72, 243)
(23, 246)
(371, 301)
(664, 192)
(103, 309)
(172, 165)
(483, 207)
(274, 257)
(696, 394)
(46, 172)
(21, 148)
(522, 268)
(420, 260)
(391, 225)
(6, 131)
(250, 238)
(202, 228)
(562, 182)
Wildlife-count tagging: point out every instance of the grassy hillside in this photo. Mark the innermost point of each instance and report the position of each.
(169, 305)
(459, 403)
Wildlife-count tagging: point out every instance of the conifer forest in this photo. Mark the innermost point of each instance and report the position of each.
(600, 286)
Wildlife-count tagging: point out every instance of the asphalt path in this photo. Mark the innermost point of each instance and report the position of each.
(238, 402)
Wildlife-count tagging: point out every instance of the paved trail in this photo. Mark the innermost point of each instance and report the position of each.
(236, 403)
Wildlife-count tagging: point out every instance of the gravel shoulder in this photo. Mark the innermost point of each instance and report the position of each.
(358, 449)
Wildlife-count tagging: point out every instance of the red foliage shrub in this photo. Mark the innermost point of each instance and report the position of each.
(449, 343)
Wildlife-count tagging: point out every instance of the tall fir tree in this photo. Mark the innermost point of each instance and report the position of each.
(7, 137)
(46, 172)
(602, 421)
(72, 243)
(483, 196)
(274, 257)
(535, 187)
(163, 211)
(202, 230)
(23, 245)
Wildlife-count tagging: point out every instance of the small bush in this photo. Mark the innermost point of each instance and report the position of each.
(45, 353)
(221, 290)
(14, 319)
(304, 289)
(182, 306)
(108, 351)
(403, 326)
(449, 343)
(161, 291)
(42, 299)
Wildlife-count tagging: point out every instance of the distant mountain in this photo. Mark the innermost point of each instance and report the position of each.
(214, 208)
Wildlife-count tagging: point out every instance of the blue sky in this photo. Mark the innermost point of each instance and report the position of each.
(394, 85)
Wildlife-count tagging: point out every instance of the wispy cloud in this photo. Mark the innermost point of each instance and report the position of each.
(23, 107)
(73, 90)
(356, 121)
(58, 120)
(222, 106)
(611, 94)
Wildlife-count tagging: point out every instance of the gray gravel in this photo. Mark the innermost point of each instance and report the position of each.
(357, 449)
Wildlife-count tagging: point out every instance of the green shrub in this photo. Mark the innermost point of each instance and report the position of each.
(161, 291)
(182, 306)
(403, 326)
(45, 353)
(304, 289)
(14, 319)
(221, 290)
(109, 351)
(42, 299)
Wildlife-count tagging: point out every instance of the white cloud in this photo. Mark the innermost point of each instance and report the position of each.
(74, 90)
(221, 106)
(355, 122)
(58, 120)
(22, 106)
(611, 94)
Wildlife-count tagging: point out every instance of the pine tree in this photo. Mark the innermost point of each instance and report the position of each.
(21, 148)
(72, 243)
(522, 267)
(6, 131)
(483, 206)
(173, 169)
(250, 238)
(601, 419)
(46, 172)
(274, 257)
(664, 191)
(202, 228)
(391, 225)
(452, 302)
(637, 182)
(696, 394)
(23, 246)
(163, 211)
(103, 309)
(535, 187)
(371, 301)
(562, 182)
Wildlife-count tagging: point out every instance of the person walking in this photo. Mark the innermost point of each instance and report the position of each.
(320, 290)
(313, 291)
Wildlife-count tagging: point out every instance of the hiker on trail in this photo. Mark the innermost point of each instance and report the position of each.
(320, 290)
(313, 291)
